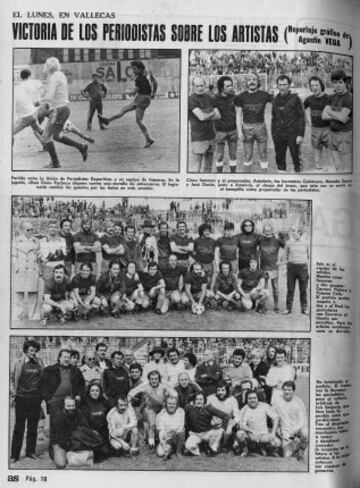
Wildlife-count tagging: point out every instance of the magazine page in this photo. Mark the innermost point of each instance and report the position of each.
(180, 250)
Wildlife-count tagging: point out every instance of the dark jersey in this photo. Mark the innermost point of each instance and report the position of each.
(204, 250)
(70, 253)
(95, 91)
(148, 281)
(86, 239)
(337, 103)
(317, 105)
(113, 242)
(225, 284)
(107, 285)
(250, 279)
(269, 249)
(247, 244)
(181, 241)
(253, 105)
(83, 284)
(227, 247)
(131, 284)
(201, 131)
(143, 85)
(163, 244)
(196, 281)
(171, 277)
(226, 107)
(57, 291)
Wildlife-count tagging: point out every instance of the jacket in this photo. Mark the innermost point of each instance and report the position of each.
(51, 380)
(288, 117)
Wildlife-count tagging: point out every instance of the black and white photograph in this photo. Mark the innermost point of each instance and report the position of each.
(277, 112)
(160, 403)
(161, 263)
(114, 110)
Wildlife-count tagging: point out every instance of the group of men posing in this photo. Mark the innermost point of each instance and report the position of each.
(226, 118)
(124, 272)
(176, 405)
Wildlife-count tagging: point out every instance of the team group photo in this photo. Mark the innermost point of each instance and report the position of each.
(272, 112)
(96, 110)
(151, 263)
(160, 403)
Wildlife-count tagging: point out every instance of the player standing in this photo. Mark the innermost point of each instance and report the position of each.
(144, 91)
(95, 92)
(250, 120)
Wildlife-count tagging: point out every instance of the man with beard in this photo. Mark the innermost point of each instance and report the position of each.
(122, 424)
(84, 293)
(87, 247)
(269, 246)
(57, 97)
(163, 245)
(227, 248)
(110, 290)
(253, 428)
(208, 373)
(250, 120)
(175, 366)
(204, 251)
(297, 254)
(320, 129)
(287, 125)
(116, 378)
(65, 421)
(182, 245)
(154, 287)
(252, 287)
(195, 288)
(95, 92)
(225, 127)
(202, 114)
(65, 233)
(225, 288)
(339, 112)
(173, 276)
(155, 392)
(248, 241)
(132, 249)
(111, 246)
(186, 389)
(26, 396)
(170, 426)
(292, 422)
(201, 426)
(57, 297)
(223, 401)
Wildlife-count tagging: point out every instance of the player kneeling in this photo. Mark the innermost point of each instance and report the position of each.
(122, 423)
(253, 433)
(83, 286)
(57, 297)
(252, 287)
(134, 289)
(195, 289)
(226, 292)
(154, 287)
(110, 290)
(170, 426)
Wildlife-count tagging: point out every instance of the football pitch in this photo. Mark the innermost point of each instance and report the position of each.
(120, 148)
(146, 461)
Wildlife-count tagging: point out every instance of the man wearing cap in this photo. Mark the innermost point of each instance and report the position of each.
(95, 92)
(87, 247)
(26, 396)
(57, 96)
(156, 363)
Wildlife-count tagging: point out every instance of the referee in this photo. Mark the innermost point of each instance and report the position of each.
(95, 92)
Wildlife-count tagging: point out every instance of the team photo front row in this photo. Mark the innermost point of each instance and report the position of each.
(172, 405)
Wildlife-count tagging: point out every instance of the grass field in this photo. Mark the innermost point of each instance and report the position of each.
(307, 158)
(119, 148)
(147, 461)
(184, 320)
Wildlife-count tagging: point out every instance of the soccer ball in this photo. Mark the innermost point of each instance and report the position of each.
(198, 309)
